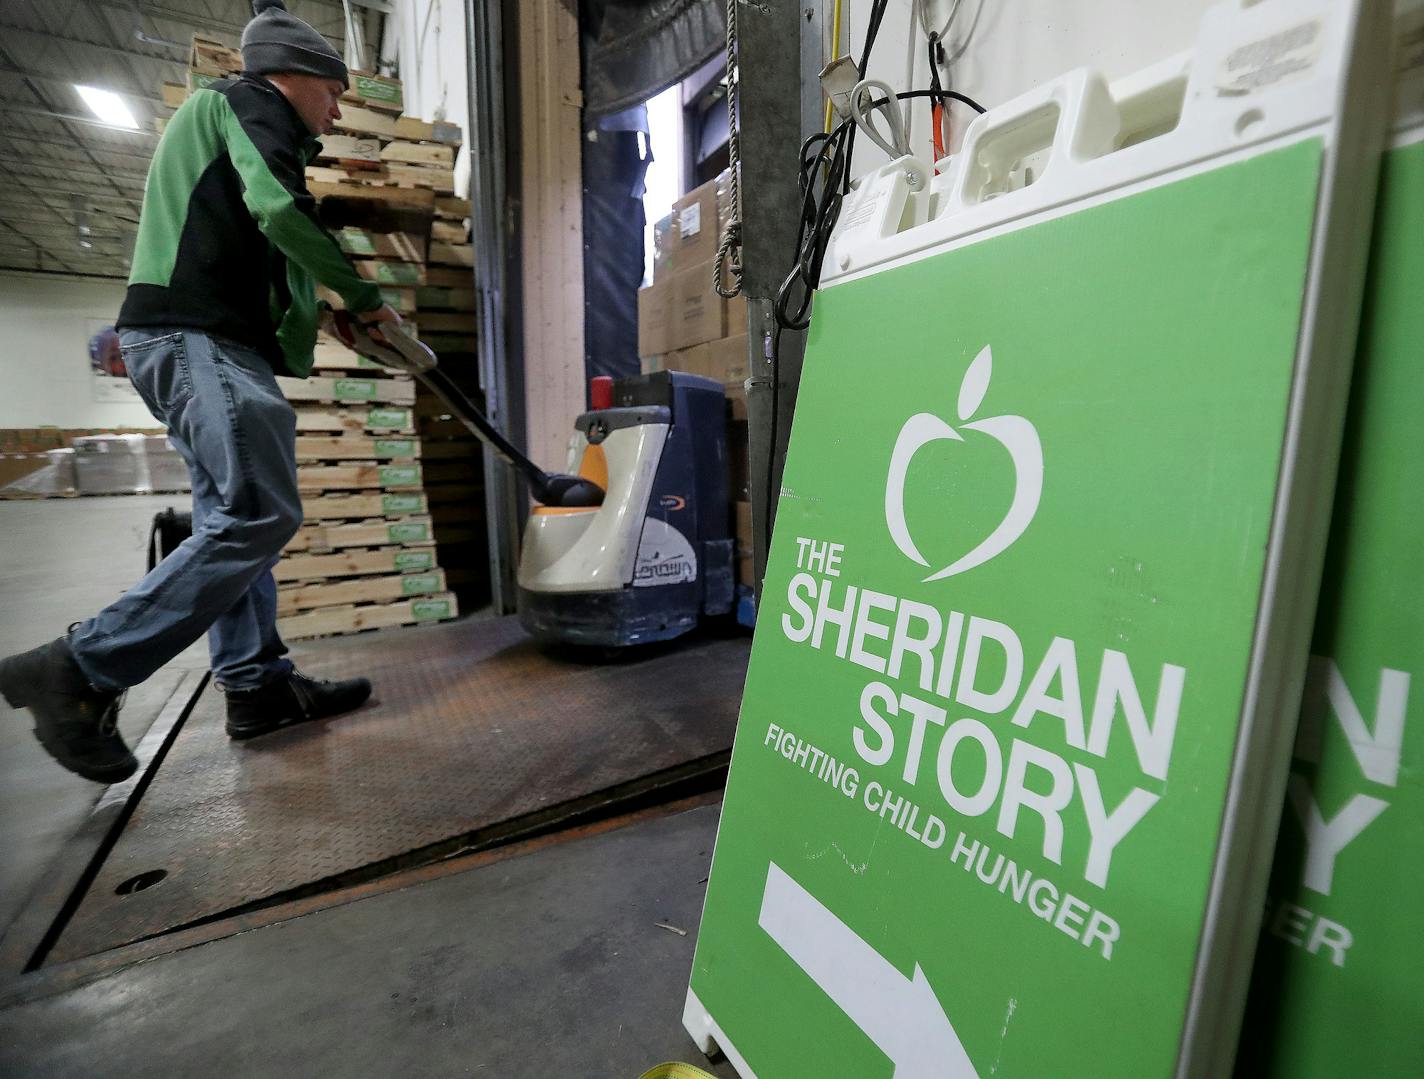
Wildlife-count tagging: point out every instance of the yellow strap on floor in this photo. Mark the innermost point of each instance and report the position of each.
(674, 1070)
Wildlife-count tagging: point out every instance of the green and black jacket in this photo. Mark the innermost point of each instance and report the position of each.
(228, 241)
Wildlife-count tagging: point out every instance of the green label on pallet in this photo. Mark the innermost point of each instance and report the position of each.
(994, 697)
(199, 81)
(430, 609)
(394, 505)
(408, 532)
(355, 242)
(1341, 949)
(415, 560)
(354, 389)
(388, 417)
(400, 475)
(397, 273)
(395, 447)
(418, 583)
(374, 88)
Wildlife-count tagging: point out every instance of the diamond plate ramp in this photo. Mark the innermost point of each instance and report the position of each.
(470, 726)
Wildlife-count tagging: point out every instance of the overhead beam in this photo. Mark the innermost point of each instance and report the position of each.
(188, 18)
(35, 110)
(137, 178)
(6, 69)
(96, 196)
(28, 139)
(110, 50)
(58, 222)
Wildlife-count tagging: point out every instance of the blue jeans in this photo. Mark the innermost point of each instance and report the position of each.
(227, 418)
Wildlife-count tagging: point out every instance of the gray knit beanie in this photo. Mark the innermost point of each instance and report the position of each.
(276, 42)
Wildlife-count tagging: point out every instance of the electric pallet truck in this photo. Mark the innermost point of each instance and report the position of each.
(635, 545)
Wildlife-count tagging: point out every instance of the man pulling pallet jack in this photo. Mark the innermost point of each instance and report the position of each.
(220, 299)
(635, 548)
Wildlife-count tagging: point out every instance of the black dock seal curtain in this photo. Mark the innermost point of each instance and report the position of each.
(632, 51)
(635, 49)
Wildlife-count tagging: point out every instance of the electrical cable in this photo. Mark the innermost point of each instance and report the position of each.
(833, 152)
(939, 106)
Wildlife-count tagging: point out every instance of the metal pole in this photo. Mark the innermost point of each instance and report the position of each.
(780, 41)
(484, 32)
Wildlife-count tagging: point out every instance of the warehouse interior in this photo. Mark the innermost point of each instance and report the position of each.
(873, 442)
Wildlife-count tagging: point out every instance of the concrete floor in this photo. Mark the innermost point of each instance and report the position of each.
(547, 964)
(62, 559)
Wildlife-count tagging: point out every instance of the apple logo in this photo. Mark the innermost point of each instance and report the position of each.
(1014, 433)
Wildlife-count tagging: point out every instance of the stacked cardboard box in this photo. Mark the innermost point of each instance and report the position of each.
(685, 325)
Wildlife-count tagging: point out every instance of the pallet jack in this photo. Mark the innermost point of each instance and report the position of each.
(633, 545)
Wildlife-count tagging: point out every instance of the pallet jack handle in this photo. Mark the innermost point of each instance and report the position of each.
(402, 352)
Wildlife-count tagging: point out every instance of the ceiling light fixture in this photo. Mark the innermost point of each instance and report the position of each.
(107, 106)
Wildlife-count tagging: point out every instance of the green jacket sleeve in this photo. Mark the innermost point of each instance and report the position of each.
(274, 190)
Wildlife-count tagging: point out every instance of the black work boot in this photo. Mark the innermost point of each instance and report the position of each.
(294, 698)
(76, 723)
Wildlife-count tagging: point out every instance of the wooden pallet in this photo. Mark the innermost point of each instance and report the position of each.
(321, 623)
(452, 254)
(412, 130)
(212, 57)
(366, 504)
(315, 567)
(447, 277)
(407, 532)
(377, 92)
(405, 246)
(450, 342)
(400, 298)
(392, 272)
(449, 232)
(453, 209)
(304, 597)
(354, 448)
(454, 322)
(386, 391)
(356, 477)
(331, 355)
(445, 299)
(355, 419)
(418, 198)
(359, 120)
(350, 148)
(441, 181)
(419, 153)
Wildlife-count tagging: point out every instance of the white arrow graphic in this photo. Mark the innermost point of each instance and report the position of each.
(900, 1015)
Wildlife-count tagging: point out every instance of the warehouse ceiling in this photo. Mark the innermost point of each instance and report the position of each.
(68, 180)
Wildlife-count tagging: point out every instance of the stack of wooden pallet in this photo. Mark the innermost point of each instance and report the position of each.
(366, 557)
(387, 182)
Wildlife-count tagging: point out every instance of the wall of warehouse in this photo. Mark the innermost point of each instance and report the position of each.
(44, 353)
(1012, 46)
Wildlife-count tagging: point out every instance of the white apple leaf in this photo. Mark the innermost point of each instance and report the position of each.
(975, 384)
